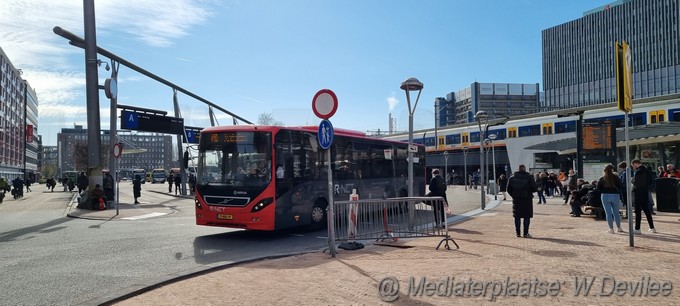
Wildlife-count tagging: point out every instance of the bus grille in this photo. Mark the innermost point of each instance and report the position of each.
(227, 201)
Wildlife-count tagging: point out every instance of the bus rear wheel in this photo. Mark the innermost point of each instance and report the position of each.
(318, 216)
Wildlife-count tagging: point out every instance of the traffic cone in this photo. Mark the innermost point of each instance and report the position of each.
(102, 205)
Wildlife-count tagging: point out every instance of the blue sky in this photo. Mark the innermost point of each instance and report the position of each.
(254, 57)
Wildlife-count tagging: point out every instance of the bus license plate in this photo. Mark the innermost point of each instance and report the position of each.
(225, 217)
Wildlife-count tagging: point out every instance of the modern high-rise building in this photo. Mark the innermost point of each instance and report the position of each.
(497, 99)
(578, 56)
(13, 121)
(32, 139)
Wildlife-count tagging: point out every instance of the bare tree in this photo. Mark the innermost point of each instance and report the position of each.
(80, 155)
(268, 119)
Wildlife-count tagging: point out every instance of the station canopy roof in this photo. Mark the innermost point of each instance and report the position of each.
(644, 134)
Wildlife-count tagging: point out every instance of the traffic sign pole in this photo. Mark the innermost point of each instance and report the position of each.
(324, 105)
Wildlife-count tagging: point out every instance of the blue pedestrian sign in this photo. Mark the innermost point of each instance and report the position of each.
(325, 134)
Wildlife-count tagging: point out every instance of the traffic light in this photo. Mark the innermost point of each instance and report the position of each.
(624, 76)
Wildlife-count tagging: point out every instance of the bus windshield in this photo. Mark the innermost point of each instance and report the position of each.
(236, 159)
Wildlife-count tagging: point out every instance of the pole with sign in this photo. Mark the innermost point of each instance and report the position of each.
(624, 97)
(324, 105)
(117, 151)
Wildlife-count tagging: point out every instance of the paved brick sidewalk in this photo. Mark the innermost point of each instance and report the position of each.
(563, 252)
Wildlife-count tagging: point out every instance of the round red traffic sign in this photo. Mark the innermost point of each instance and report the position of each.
(325, 103)
(117, 150)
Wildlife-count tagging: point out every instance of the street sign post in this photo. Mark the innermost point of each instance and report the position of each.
(324, 105)
(624, 97)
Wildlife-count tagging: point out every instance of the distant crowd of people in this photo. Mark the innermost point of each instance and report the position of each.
(608, 192)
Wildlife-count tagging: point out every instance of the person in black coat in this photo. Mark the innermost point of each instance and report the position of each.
(641, 183)
(137, 188)
(178, 182)
(171, 181)
(521, 187)
(438, 189)
(82, 182)
(503, 184)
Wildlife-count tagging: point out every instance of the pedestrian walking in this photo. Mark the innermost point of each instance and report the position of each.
(171, 181)
(521, 187)
(609, 186)
(137, 188)
(28, 184)
(438, 188)
(178, 181)
(541, 182)
(641, 183)
(503, 184)
(192, 183)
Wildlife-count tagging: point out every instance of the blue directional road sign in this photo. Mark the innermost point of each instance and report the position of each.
(325, 134)
(192, 134)
(130, 120)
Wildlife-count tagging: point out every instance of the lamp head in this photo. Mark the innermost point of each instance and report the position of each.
(411, 84)
(481, 115)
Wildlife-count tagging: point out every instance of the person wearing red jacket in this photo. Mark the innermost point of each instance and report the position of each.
(671, 172)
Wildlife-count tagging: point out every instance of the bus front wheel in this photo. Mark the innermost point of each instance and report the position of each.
(319, 215)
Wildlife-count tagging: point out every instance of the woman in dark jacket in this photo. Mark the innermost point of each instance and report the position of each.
(137, 187)
(609, 186)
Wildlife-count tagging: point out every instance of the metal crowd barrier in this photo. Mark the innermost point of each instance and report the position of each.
(395, 218)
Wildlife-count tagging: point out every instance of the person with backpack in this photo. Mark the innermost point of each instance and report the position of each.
(438, 189)
(641, 183)
(521, 187)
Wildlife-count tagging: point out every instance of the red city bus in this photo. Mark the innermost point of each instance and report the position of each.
(272, 177)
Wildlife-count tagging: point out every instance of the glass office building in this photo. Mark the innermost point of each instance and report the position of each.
(578, 56)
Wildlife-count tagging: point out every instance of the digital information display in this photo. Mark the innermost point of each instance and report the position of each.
(192, 134)
(230, 138)
(598, 136)
(151, 123)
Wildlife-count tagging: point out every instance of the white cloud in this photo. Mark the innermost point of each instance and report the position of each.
(392, 102)
(27, 37)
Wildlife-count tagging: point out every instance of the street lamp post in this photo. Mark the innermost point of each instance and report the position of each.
(482, 116)
(411, 84)
(493, 161)
(446, 164)
(465, 179)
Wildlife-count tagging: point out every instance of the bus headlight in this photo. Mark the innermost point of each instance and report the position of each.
(262, 204)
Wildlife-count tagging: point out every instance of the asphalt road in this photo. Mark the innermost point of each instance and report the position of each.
(47, 258)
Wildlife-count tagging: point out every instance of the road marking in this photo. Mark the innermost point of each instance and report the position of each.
(151, 215)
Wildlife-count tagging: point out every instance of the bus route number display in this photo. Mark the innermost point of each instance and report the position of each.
(228, 138)
(597, 136)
